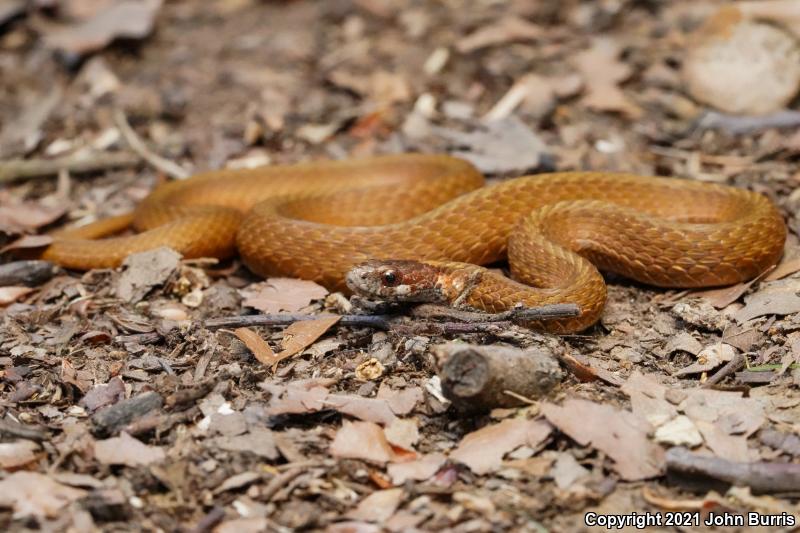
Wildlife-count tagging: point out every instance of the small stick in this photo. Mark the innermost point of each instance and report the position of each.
(30, 273)
(480, 378)
(730, 367)
(137, 145)
(285, 319)
(700, 471)
(20, 169)
(544, 312)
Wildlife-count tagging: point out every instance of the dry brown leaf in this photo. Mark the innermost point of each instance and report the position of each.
(9, 295)
(709, 358)
(103, 394)
(483, 450)
(367, 409)
(258, 346)
(27, 242)
(496, 147)
(282, 294)
(126, 450)
(123, 19)
(402, 402)
(417, 470)
(25, 216)
(34, 494)
(402, 433)
(302, 334)
(145, 271)
(506, 30)
(785, 268)
(362, 440)
(721, 298)
(621, 435)
(18, 453)
(22, 135)
(378, 506)
(778, 298)
(297, 398)
(602, 73)
(648, 399)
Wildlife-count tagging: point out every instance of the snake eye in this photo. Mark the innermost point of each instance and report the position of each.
(389, 278)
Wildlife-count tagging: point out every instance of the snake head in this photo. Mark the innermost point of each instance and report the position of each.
(396, 281)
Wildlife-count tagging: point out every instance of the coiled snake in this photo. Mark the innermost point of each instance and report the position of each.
(317, 221)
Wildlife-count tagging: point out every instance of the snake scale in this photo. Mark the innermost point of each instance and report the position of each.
(318, 220)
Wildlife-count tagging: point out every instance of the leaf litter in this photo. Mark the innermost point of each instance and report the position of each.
(353, 423)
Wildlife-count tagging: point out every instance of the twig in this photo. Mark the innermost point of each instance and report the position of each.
(15, 429)
(699, 471)
(140, 338)
(19, 169)
(137, 145)
(279, 482)
(737, 124)
(285, 319)
(730, 367)
(544, 312)
(209, 521)
(30, 273)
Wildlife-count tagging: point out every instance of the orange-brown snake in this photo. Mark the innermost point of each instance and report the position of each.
(318, 220)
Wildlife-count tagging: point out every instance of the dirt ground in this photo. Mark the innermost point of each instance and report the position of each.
(122, 408)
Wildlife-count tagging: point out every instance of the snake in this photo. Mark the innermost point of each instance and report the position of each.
(424, 227)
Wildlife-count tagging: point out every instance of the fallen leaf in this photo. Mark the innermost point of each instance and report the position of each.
(648, 399)
(779, 298)
(25, 216)
(353, 526)
(27, 242)
(22, 135)
(297, 398)
(708, 359)
(258, 346)
(402, 433)
(499, 146)
(621, 435)
(123, 19)
(566, 471)
(282, 294)
(378, 506)
(367, 409)
(401, 402)
(507, 29)
(258, 441)
(602, 72)
(244, 525)
(103, 395)
(680, 431)
(18, 453)
(361, 440)
(37, 495)
(126, 450)
(9, 295)
(144, 271)
(684, 342)
(483, 450)
(418, 470)
(721, 298)
(302, 334)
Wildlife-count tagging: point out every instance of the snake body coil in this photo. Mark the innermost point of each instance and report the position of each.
(317, 221)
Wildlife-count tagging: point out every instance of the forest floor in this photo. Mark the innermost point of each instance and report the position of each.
(122, 409)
